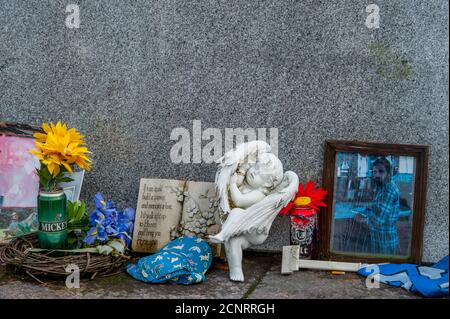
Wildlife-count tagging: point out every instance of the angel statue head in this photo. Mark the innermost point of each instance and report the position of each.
(252, 189)
(266, 173)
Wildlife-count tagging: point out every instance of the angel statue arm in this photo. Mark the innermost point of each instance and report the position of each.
(243, 200)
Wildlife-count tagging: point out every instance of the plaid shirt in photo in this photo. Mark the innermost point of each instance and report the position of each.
(382, 219)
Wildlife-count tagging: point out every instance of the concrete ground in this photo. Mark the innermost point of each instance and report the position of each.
(263, 280)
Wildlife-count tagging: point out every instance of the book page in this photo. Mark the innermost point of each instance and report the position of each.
(200, 215)
(158, 213)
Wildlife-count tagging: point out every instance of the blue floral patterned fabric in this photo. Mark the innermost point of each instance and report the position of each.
(183, 261)
(428, 281)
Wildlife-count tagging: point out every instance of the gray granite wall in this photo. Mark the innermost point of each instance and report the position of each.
(135, 70)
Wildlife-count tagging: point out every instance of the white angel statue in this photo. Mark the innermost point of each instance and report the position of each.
(253, 178)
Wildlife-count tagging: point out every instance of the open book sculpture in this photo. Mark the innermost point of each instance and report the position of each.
(252, 189)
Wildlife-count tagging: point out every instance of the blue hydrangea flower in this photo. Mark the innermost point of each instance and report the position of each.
(108, 223)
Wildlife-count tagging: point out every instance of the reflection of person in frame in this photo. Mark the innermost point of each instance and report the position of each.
(382, 214)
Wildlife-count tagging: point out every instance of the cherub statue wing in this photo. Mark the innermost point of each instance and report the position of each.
(228, 165)
(259, 217)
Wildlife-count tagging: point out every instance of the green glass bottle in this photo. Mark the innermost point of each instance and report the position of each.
(52, 216)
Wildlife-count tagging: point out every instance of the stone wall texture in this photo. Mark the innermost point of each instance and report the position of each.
(135, 70)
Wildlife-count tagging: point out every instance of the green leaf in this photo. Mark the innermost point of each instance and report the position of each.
(70, 210)
(72, 238)
(46, 173)
(117, 245)
(46, 180)
(80, 212)
(104, 249)
(64, 180)
(78, 216)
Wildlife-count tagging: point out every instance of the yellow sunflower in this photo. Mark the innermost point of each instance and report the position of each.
(61, 147)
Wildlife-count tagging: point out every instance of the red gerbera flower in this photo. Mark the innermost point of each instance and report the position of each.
(307, 197)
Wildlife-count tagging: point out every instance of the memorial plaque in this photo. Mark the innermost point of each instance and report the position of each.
(158, 211)
(168, 209)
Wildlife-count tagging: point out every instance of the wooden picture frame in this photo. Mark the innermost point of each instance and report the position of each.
(18, 129)
(330, 238)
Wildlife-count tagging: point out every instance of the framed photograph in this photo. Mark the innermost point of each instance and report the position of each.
(19, 185)
(376, 202)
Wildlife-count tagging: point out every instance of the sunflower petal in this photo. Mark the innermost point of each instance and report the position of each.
(46, 128)
(40, 136)
(67, 167)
